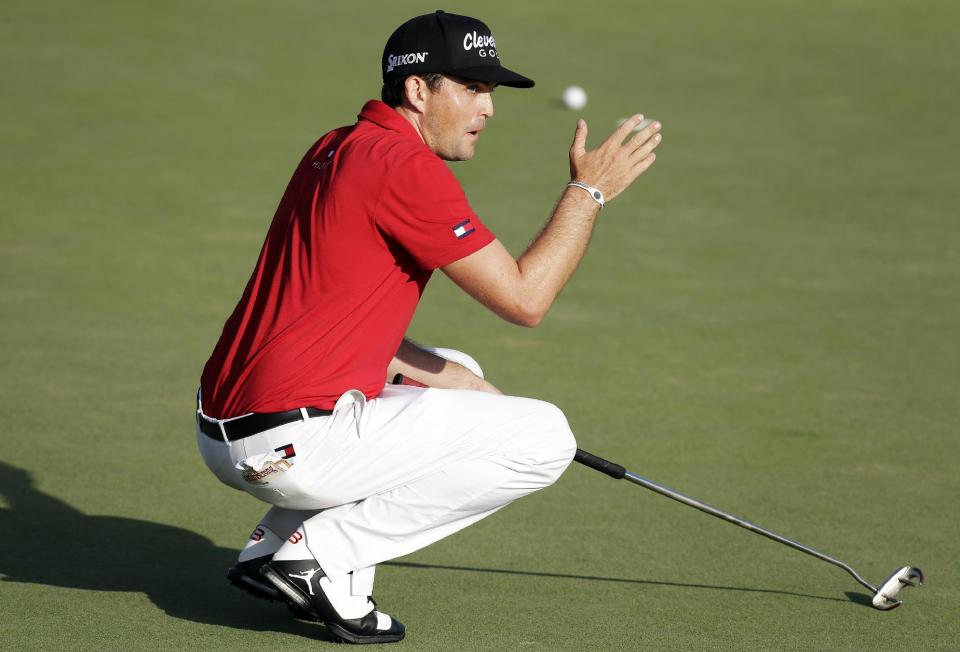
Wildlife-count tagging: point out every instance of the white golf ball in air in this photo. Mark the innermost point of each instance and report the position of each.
(574, 98)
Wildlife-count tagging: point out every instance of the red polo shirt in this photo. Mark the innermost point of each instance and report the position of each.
(369, 213)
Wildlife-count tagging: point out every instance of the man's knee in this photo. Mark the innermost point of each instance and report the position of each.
(556, 444)
(563, 436)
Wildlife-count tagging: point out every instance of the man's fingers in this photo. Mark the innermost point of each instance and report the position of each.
(579, 146)
(644, 148)
(628, 125)
(643, 136)
(642, 165)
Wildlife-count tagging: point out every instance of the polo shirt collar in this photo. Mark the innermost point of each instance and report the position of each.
(380, 114)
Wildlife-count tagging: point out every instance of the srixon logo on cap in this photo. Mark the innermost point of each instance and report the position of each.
(482, 43)
(395, 60)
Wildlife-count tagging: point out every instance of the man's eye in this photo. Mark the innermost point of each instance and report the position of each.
(473, 89)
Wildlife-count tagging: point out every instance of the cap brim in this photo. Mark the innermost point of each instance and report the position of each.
(502, 76)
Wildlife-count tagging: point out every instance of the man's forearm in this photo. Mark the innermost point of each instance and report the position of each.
(553, 256)
(434, 371)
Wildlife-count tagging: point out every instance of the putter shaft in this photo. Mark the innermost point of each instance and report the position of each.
(618, 472)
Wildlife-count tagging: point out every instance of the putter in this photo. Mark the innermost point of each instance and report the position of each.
(884, 595)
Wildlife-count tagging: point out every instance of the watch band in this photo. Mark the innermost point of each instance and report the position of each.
(595, 193)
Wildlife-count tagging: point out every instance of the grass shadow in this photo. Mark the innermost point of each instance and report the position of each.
(181, 571)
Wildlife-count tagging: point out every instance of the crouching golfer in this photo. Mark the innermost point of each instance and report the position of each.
(293, 406)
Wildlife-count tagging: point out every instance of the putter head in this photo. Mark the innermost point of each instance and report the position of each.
(885, 598)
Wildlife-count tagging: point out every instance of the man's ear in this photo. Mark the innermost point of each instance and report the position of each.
(415, 92)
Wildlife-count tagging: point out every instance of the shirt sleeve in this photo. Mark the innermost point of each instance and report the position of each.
(426, 211)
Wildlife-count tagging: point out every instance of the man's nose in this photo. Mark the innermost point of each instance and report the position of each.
(486, 108)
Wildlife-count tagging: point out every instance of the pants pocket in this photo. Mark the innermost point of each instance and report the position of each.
(263, 469)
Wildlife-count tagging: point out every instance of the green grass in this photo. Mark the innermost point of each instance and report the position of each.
(767, 320)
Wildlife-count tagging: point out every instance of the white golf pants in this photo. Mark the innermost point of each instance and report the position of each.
(382, 478)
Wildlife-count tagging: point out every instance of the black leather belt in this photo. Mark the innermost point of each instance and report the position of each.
(255, 423)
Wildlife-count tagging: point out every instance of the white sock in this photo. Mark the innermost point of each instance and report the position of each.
(294, 548)
(263, 541)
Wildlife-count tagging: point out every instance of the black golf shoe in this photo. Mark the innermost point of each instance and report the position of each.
(299, 583)
(246, 577)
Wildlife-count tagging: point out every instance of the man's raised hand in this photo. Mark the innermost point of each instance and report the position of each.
(614, 165)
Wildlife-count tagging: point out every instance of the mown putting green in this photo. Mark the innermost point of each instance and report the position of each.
(767, 321)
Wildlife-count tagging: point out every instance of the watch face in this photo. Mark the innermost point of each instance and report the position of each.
(597, 195)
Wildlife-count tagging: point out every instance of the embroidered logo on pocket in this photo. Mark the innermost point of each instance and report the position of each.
(267, 473)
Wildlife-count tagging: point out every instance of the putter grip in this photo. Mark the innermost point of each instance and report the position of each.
(615, 471)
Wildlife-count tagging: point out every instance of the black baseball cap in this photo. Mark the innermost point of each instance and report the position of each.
(447, 43)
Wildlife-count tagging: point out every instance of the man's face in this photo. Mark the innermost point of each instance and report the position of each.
(454, 116)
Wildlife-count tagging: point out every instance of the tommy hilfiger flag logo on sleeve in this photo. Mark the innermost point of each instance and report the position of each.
(463, 229)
